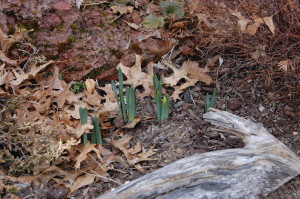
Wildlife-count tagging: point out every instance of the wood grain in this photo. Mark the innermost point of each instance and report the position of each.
(256, 170)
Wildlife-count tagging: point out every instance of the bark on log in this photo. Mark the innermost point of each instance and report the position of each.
(256, 170)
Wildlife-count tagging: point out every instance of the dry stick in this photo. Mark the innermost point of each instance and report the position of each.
(99, 176)
(98, 163)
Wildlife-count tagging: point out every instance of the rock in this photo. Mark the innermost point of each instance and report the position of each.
(60, 6)
(187, 97)
(57, 194)
(23, 186)
(118, 121)
(219, 105)
(51, 20)
(234, 105)
(178, 104)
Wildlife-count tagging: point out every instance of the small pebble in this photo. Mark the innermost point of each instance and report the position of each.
(178, 104)
(57, 194)
(187, 97)
(234, 105)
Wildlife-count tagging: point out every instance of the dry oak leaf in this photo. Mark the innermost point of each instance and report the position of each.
(7, 60)
(159, 47)
(257, 21)
(3, 78)
(190, 72)
(284, 64)
(27, 76)
(137, 77)
(260, 52)
(82, 181)
(7, 41)
(243, 21)
(134, 154)
(84, 152)
(122, 9)
(81, 129)
(251, 29)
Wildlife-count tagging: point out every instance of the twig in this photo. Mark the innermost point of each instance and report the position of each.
(99, 176)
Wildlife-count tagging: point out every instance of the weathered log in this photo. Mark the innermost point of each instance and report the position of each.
(256, 170)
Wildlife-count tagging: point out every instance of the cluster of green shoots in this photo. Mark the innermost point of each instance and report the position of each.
(162, 102)
(128, 109)
(96, 137)
(210, 100)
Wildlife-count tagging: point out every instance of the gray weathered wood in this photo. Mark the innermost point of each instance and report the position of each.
(256, 170)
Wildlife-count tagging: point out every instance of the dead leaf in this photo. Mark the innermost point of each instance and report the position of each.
(90, 85)
(134, 154)
(122, 9)
(251, 29)
(195, 72)
(132, 25)
(33, 71)
(3, 78)
(212, 61)
(179, 24)
(257, 21)
(243, 21)
(137, 77)
(84, 151)
(83, 128)
(188, 73)
(283, 65)
(132, 124)
(260, 52)
(269, 22)
(159, 47)
(82, 181)
(7, 60)
(56, 83)
(7, 41)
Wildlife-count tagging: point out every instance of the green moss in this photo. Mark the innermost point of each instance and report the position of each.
(33, 12)
(97, 71)
(101, 24)
(113, 23)
(82, 30)
(72, 38)
(116, 52)
(77, 87)
(106, 28)
(13, 190)
(75, 69)
(81, 56)
(102, 12)
(109, 37)
(74, 26)
(63, 46)
(22, 26)
(60, 26)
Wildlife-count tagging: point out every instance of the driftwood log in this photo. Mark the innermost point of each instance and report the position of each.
(263, 166)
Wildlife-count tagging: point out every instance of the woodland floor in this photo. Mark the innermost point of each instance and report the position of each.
(90, 42)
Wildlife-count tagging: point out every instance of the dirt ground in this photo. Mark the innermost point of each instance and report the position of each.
(91, 41)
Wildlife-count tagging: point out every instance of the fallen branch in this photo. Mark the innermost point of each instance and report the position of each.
(256, 170)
